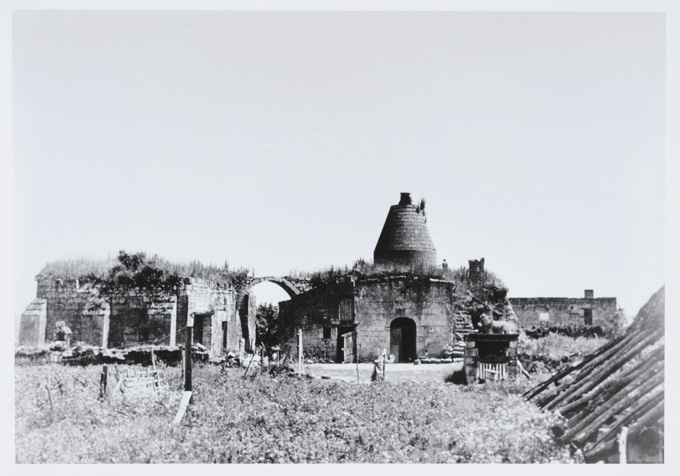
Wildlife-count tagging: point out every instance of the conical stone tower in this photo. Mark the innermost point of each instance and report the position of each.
(404, 239)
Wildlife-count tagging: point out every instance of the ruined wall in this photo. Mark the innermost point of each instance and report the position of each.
(328, 306)
(33, 323)
(429, 303)
(140, 316)
(219, 329)
(564, 311)
(371, 305)
(127, 316)
(67, 301)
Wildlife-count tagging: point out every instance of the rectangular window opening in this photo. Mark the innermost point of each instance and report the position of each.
(326, 332)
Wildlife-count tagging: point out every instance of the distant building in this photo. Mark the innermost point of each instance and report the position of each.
(555, 311)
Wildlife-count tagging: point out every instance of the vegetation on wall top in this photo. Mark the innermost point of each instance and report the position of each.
(142, 271)
(365, 269)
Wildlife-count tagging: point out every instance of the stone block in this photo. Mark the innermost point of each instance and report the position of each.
(470, 344)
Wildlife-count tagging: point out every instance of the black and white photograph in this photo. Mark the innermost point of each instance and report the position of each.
(365, 233)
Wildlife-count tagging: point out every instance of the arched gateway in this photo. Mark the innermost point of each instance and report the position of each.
(246, 308)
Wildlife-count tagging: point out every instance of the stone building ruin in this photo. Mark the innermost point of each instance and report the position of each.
(403, 303)
(224, 316)
(404, 310)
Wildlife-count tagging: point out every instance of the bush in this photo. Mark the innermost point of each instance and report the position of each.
(550, 352)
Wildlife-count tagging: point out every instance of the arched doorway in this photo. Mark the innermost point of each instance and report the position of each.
(403, 339)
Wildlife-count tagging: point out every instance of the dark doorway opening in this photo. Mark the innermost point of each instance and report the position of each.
(198, 329)
(340, 354)
(588, 317)
(403, 339)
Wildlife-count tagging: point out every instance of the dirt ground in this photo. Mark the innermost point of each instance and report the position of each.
(393, 372)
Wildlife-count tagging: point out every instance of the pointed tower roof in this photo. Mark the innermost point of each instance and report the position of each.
(404, 239)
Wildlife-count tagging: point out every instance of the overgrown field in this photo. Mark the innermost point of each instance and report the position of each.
(546, 354)
(260, 419)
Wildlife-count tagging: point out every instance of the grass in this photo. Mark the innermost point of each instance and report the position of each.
(366, 269)
(141, 270)
(549, 352)
(260, 419)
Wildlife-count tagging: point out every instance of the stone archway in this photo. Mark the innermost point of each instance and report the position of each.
(403, 339)
(246, 307)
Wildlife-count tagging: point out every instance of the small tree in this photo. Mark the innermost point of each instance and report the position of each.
(269, 329)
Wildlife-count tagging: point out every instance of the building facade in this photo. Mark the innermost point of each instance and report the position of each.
(550, 311)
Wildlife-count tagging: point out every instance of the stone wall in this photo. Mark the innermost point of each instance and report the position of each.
(126, 316)
(370, 306)
(33, 323)
(315, 310)
(213, 303)
(141, 316)
(564, 311)
(429, 303)
(67, 301)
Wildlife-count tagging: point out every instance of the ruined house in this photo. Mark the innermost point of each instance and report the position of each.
(555, 311)
(118, 316)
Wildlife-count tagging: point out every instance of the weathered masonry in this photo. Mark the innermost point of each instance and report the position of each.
(224, 318)
(547, 311)
(407, 315)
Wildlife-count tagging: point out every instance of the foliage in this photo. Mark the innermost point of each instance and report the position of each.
(270, 331)
(78, 268)
(285, 420)
(550, 352)
(141, 270)
(365, 269)
(574, 331)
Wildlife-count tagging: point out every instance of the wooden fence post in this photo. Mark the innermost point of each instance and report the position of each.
(103, 381)
(187, 354)
(300, 352)
(623, 443)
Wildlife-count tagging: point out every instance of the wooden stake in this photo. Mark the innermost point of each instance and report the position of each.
(49, 392)
(187, 357)
(623, 442)
(300, 352)
(103, 381)
(521, 367)
(186, 399)
(357, 360)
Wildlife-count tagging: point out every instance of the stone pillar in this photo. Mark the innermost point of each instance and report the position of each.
(216, 333)
(173, 324)
(470, 361)
(589, 293)
(33, 323)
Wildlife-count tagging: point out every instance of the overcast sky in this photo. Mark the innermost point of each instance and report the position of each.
(279, 140)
